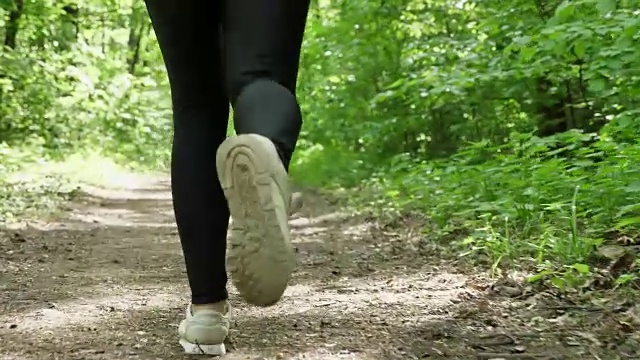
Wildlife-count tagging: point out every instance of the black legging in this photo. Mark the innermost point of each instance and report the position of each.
(243, 52)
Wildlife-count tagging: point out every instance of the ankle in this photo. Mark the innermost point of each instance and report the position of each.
(220, 306)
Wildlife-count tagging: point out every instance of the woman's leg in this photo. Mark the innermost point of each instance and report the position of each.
(262, 40)
(262, 51)
(189, 40)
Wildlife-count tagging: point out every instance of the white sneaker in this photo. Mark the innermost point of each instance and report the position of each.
(256, 185)
(204, 332)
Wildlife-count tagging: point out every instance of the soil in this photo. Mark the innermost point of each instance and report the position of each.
(106, 280)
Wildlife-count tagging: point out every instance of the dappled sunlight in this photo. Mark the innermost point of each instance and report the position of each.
(326, 353)
(108, 282)
(320, 353)
(123, 218)
(107, 290)
(309, 239)
(14, 357)
(433, 294)
(91, 170)
(468, 170)
(335, 217)
(153, 191)
(105, 283)
(357, 229)
(89, 310)
(152, 207)
(298, 234)
(306, 310)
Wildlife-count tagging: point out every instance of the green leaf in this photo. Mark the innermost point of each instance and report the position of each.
(7, 5)
(534, 278)
(580, 49)
(597, 85)
(606, 6)
(565, 10)
(581, 268)
(539, 276)
(628, 221)
(527, 53)
(625, 278)
(558, 282)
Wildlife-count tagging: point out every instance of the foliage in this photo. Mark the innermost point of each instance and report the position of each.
(84, 74)
(75, 76)
(510, 126)
(513, 125)
(20, 198)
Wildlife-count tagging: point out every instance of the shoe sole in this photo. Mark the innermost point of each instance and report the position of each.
(196, 349)
(260, 257)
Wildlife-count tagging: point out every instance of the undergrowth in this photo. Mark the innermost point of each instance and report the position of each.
(549, 204)
(34, 183)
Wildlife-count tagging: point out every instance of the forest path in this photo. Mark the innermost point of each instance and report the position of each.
(106, 281)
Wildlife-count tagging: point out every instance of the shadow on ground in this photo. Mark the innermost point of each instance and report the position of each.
(107, 281)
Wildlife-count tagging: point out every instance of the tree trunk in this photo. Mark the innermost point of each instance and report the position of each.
(13, 24)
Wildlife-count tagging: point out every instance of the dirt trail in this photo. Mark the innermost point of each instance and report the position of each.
(106, 281)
